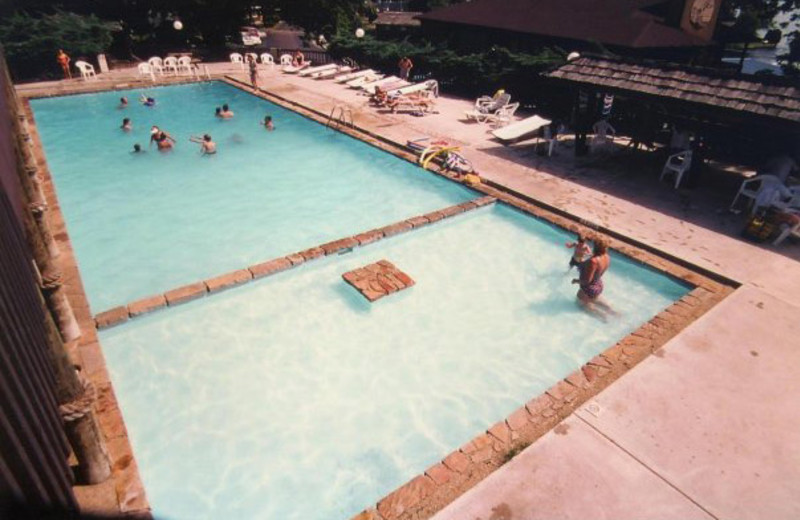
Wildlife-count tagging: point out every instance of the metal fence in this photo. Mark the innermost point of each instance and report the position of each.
(34, 474)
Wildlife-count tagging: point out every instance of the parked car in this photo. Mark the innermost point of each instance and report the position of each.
(250, 36)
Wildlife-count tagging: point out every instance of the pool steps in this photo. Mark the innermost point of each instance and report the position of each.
(197, 290)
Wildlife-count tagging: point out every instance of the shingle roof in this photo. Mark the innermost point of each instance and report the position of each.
(610, 22)
(774, 97)
(406, 18)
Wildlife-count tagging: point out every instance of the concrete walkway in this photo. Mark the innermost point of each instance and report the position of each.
(706, 428)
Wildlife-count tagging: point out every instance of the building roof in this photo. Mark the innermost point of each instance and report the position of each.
(397, 18)
(766, 96)
(624, 23)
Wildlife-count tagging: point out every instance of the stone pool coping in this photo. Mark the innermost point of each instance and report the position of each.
(439, 485)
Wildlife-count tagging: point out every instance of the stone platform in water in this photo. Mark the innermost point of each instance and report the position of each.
(374, 281)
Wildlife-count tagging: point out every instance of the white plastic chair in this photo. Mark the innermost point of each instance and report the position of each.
(267, 59)
(171, 65)
(157, 64)
(185, 65)
(791, 202)
(237, 58)
(86, 69)
(763, 190)
(286, 60)
(603, 133)
(146, 70)
(503, 116)
(788, 229)
(678, 164)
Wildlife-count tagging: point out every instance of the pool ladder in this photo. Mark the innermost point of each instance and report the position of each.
(341, 115)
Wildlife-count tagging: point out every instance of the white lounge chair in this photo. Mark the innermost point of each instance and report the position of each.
(677, 164)
(487, 104)
(350, 76)
(330, 73)
(171, 65)
(364, 80)
(237, 59)
(319, 68)
(267, 59)
(286, 60)
(387, 83)
(763, 190)
(185, 65)
(291, 69)
(521, 129)
(86, 70)
(430, 85)
(157, 64)
(484, 116)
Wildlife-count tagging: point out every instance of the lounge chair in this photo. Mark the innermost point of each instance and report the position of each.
(369, 86)
(292, 69)
(350, 76)
(430, 85)
(418, 103)
(311, 70)
(521, 129)
(486, 104)
(503, 116)
(488, 115)
(330, 73)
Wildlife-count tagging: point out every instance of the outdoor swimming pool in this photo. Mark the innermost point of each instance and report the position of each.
(294, 398)
(142, 224)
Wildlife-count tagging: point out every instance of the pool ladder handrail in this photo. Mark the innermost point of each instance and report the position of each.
(344, 116)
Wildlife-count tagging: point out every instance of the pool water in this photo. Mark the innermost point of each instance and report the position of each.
(142, 224)
(294, 398)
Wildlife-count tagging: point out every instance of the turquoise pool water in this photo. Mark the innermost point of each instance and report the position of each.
(293, 398)
(142, 224)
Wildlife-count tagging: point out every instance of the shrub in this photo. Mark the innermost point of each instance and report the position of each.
(31, 43)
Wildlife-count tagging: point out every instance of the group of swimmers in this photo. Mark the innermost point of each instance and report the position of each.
(592, 263)
(164, 141)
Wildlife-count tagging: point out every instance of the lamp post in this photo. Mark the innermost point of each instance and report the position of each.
(359, 33)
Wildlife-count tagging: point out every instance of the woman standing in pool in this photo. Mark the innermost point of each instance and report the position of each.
(163, 140)
(591, 280)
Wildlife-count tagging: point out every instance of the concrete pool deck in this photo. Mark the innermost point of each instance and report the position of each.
(642, 434)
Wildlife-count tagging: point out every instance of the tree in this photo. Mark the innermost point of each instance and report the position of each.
(31, 42)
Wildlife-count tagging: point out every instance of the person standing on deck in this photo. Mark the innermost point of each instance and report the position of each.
(405, 65)
(251, 63)
(63, 60)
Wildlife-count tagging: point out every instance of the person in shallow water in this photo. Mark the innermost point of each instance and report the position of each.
(207, 146)
(137, 148)
(147, 101)
(127, 126)
(582, 251)
(226, 113)
(163, 140)
(591, 281)
(268, 124)
(123, 102)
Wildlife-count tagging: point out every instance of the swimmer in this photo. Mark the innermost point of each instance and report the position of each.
(137, 148)
(268, 123)
(226, 113)
(163, 140)
(582, 251)
(207, 146)
(218, 112)
(127, 126)
(123, 102)
(147, 100)
(591, 282)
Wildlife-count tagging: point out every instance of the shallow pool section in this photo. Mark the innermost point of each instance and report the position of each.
(142, 224)
(294, 398)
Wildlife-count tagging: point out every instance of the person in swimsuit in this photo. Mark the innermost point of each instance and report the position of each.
(582, 251)
(63, 60)
(226, 113)
(268, 124)
(123, 102)
(207, 146)
(147, 101)
(163, 140)
(253, 66)
(127, 126)
(591, 281)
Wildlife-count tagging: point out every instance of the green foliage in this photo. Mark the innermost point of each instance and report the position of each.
(328, 17)
(31, 43)
(461, 73)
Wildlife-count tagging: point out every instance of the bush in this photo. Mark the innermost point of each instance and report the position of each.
(465, 74)
(31, 43)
